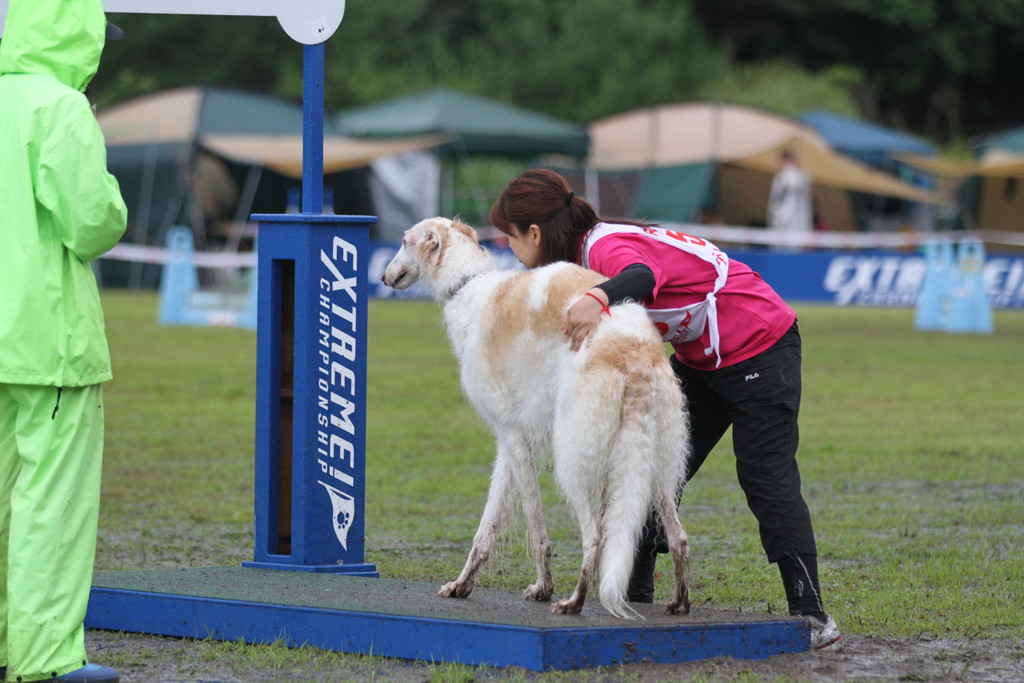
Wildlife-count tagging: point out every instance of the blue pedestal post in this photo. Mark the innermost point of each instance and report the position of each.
(311, 393)
(311, 371)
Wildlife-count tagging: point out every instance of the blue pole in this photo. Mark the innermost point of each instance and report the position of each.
(313, 129)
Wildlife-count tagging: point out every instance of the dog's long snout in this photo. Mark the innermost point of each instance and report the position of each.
(394, 280)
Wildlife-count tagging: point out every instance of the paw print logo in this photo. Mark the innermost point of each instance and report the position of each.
(343, 519)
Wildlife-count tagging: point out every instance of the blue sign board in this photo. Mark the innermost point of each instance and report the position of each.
(882, 278)
(842, 278)
(311, 393)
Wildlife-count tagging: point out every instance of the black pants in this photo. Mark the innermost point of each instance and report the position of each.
(760, 399)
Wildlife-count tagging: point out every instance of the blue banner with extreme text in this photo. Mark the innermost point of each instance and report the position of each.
(842, 278)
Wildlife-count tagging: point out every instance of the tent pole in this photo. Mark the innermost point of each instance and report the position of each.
(476, 189)
(448, 183)
(244, 208)
(592, 188)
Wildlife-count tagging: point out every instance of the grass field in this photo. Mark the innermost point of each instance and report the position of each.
(912, 457)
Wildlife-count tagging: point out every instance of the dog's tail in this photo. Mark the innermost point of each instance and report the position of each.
(625, 508)
(596, 465)
(647, 455)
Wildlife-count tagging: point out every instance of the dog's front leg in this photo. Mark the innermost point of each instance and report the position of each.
(490, 524)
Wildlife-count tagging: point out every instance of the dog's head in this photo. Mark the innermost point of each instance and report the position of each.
(423, 251)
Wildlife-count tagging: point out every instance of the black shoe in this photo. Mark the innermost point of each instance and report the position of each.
(641, 581)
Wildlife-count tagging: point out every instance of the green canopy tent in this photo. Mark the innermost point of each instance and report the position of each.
(475, 125)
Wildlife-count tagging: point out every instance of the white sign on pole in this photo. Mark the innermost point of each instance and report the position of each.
(309, 22)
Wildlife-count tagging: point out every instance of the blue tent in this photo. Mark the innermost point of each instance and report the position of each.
(864, 141)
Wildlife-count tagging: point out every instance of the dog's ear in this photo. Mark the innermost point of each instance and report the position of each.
(431, 240)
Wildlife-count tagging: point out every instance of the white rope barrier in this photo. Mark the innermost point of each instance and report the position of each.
(203, 259)
(857, 275)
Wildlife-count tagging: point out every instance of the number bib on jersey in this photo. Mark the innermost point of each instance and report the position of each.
(686, 323)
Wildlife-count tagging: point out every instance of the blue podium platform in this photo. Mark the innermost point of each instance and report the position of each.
(408, 620)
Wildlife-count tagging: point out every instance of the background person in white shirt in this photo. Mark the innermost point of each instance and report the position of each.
(789, 206)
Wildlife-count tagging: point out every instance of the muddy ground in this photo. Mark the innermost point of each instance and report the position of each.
(146, 658)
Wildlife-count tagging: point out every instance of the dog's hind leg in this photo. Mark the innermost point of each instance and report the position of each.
(591, 547)
(498, 498)
(679, 547)
(674, 451)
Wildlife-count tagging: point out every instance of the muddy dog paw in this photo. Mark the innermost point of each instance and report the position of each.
(538, 593)
(567, 607)
(680, 608)
(454, 589)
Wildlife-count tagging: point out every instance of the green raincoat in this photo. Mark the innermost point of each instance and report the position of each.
(59, 207)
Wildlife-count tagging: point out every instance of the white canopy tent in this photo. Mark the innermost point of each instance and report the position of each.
(732, 152)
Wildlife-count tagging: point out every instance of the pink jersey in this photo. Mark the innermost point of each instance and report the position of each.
(751, 316)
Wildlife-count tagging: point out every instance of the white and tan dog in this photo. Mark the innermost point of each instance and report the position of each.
(611, 414)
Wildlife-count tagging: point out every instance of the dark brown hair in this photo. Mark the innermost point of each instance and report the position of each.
(543, 197)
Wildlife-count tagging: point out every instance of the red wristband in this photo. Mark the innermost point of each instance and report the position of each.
(604, 309)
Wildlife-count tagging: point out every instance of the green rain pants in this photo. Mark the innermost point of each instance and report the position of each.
(51, 453)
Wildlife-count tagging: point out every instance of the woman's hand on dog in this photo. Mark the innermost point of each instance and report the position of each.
(583, 317)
